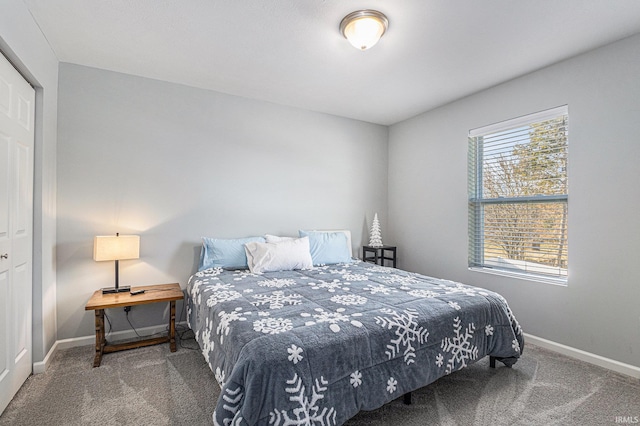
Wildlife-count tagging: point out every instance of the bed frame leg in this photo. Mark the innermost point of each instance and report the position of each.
(492, 361)
(406, 398)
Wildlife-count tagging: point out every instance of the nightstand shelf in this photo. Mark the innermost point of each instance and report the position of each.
(380, 254)
(152, 294)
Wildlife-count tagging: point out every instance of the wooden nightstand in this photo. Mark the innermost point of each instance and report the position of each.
(152, 294)
(380, 254)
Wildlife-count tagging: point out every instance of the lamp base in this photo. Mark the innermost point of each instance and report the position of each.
(122, 289)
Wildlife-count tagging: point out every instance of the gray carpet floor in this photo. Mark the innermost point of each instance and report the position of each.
(152, 386)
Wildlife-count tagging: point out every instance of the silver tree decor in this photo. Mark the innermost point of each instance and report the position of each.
(375, 236)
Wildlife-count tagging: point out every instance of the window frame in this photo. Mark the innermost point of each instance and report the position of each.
(476, 201)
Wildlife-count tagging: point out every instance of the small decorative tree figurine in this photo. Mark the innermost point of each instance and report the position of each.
(375, 237)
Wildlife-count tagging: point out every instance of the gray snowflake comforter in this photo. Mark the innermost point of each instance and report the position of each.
(314, 347)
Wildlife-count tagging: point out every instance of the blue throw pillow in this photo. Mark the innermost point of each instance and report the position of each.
(327, 248)
(225, 253)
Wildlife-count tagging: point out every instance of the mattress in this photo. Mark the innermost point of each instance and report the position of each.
(317, 346)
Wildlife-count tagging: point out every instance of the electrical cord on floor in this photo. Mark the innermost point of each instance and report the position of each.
(187, 335)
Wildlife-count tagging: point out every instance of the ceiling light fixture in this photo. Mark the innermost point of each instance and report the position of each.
(363, 28)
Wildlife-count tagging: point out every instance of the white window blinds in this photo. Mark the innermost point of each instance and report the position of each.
(518, 197)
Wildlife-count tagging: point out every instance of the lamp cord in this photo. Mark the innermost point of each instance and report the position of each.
(108, 321)
(134, 329)
(181, 330)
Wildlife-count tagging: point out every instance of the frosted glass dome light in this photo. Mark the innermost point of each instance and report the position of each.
(363, 28)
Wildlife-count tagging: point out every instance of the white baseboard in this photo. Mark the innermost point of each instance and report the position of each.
(41, 366)
(600, 361)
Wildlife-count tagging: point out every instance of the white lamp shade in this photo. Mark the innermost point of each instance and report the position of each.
(114, 247)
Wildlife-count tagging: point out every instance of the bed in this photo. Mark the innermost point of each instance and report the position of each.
(317, 345)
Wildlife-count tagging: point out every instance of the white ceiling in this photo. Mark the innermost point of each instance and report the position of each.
(290, 51)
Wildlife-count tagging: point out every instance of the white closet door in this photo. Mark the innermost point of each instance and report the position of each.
(17, 108)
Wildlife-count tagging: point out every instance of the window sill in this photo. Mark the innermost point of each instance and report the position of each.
(528, 277)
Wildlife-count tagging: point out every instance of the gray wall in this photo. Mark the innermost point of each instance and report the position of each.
(173, 163)
(22, 42)
(599, 310)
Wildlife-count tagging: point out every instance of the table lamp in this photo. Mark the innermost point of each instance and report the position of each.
(118, 247)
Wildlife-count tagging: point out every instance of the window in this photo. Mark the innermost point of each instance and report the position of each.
(518, 198)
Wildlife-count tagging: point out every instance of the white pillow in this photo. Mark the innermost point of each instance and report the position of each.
(286, 255)
(276, 239)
